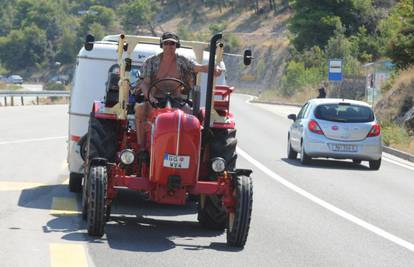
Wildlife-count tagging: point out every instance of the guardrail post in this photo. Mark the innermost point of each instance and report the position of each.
(5, 101)
(37, 100)
(12, 101)
(21, 100)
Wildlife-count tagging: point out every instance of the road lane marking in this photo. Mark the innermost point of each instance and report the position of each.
(399, 162)
(376, 230)
(64, 206)
(67, 255)
(32, 140)
(18, 186)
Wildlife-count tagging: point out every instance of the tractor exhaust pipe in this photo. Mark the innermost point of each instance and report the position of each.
(210, 80)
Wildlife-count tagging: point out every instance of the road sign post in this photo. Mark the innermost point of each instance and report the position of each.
(335, 70)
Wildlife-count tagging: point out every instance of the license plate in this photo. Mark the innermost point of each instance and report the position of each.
(176, 161)
(344, 148)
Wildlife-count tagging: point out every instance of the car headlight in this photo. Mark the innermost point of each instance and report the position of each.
(127, 156)
(218, 164)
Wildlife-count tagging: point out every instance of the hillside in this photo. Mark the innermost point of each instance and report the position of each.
(265, 34)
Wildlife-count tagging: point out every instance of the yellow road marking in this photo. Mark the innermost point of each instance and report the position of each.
(17, 186)
(64, 206)
(67, 255)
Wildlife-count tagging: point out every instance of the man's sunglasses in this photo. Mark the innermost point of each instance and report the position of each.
(169, 43)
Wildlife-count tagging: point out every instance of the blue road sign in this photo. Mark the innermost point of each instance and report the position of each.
(335, 70)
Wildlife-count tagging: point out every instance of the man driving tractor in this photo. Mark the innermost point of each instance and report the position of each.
(167, 64)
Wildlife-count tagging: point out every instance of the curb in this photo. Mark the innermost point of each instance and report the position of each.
(398, 153)
(386, 149)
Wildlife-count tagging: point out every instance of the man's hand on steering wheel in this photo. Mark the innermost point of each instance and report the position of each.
(155, 102)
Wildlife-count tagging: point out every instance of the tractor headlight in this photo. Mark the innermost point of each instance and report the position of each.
(218, 164)
(127, 156)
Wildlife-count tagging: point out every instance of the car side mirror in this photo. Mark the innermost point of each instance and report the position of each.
(247, 57)
(292, 117)
(89, 41)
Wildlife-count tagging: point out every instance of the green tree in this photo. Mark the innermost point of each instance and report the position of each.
(138, 13)
(67, 47)
(23, 48)
(315, 21)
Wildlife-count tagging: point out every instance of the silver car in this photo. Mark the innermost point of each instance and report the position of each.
(335, 128)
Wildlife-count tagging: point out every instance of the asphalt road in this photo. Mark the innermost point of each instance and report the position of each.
(331, 213)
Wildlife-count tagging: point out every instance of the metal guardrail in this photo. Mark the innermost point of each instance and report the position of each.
(44, 93)
(11, 94)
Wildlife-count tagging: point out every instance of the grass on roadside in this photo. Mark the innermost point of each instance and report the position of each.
(397, 137)
(7, 86)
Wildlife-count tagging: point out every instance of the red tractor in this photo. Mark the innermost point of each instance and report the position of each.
(189, 154)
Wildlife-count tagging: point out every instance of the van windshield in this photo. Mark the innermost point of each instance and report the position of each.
(133, 74)
(344, 113)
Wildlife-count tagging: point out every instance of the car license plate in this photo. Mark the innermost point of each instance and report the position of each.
(344, 148)
(176, 161)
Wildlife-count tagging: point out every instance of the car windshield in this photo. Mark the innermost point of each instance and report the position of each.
(344, 112)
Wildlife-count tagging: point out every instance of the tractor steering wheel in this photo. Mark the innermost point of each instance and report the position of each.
(167, 95)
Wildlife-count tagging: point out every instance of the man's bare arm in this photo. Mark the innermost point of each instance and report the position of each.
(204, 68)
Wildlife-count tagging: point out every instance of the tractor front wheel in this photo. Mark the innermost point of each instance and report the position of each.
(96, 202)
(238, 222)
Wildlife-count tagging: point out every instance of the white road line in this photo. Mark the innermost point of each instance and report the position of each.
(399, 162)
(32, 140)
(378, 231)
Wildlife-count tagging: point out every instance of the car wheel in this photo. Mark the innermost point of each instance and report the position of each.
(291, 154)
(356, 161)
(375, 164)
(304, 158)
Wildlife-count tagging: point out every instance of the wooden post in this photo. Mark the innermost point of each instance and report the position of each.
(21, 100)
(37, 100)
(12, 101)
(5, 101)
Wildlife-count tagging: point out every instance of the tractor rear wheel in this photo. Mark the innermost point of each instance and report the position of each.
(75, 182)
(239, 221)
(102, 139)
(223, 144)
(96, 218)
(211, 211)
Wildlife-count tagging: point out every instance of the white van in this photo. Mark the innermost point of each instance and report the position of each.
(89, 84)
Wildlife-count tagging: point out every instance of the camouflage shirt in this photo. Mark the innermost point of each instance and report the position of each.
(185, 68)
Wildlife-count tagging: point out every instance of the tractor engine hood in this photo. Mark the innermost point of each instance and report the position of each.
(175, 146)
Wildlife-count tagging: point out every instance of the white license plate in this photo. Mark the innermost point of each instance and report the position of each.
(344, 148)
(176, 161)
